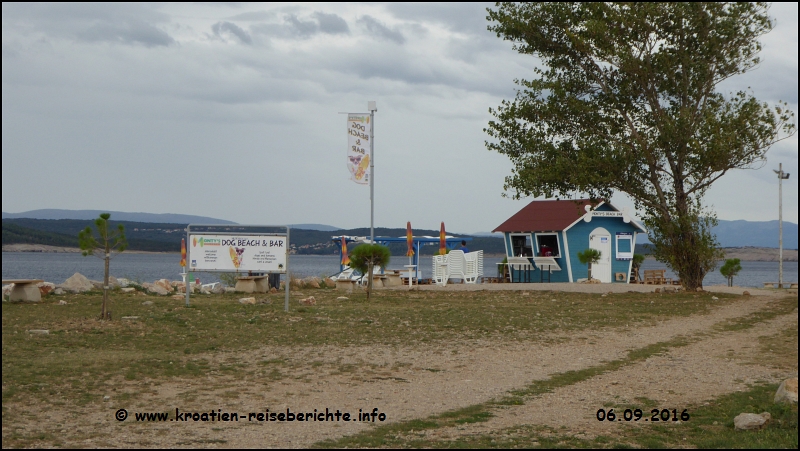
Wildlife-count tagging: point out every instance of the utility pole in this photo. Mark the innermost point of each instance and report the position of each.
(781, 177)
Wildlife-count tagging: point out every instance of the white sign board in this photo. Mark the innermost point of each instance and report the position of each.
(358, 148)
(237, 253)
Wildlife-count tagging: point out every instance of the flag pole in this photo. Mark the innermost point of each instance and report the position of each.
(372, 107)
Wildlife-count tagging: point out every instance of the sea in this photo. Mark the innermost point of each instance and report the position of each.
(57, 267)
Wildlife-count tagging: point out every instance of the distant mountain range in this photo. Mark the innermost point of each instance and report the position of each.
(737, 233)
(162, 218)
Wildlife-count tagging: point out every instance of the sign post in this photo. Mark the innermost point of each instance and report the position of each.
(210, 251)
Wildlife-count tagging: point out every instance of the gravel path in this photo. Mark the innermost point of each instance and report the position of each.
(415, 382)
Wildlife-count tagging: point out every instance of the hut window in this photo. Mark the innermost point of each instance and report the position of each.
(521, 245)
(547, 245)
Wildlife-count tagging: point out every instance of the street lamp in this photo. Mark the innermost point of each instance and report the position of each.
(781, 177)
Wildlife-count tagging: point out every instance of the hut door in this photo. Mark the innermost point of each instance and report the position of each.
(600, 239)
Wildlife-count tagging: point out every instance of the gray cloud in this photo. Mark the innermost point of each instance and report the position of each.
(382, 31)
(301, 27)
(222, 27)
(130, 24)
(331, 23)
(253, 16)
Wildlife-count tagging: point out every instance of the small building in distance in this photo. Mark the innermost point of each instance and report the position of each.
(557, 230)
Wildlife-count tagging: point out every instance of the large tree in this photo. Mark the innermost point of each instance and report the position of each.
(626, 99)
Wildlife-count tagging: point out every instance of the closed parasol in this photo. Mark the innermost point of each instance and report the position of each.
(409, 240)
(345, 257)
(442, 241)
(183, 252)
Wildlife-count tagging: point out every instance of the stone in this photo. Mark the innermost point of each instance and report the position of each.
(311, 282)
(130, 318)
(218, 289)
(45, 288)
(123, 282)
(714, 298)
(147, 303)
(78, 283)
(113, 282)
(787, 392)
(230, 290)
(157, 289)
(273, 290)
(178, 297)
(59, 291)
(750, 421)
(669, 290)
(699, 289)
(745, 293)
(308, 301)
(248, 301)
(342, 298)
(127, 289)
(330, 283)
(205, 291)
(39, 332)
(657, 290)
(62, 302)
(164, 283)
(96, 284)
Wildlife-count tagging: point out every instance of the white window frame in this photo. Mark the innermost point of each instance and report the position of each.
(527, 237)
(558, 242)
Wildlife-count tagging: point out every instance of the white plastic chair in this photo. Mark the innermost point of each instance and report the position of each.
(457, 265)
(440, 273)
(474, 266)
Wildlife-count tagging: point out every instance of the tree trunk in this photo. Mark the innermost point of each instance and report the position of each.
(104, 314)
(369, 281)
(590, 271)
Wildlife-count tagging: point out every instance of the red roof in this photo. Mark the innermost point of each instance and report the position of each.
(545, 216)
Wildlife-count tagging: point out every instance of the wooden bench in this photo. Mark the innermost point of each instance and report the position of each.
(656, 277)
(24, 290)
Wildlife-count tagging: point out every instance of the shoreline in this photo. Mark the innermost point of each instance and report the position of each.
(747, 254)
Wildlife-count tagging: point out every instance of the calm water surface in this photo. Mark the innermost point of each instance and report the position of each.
(56, 268)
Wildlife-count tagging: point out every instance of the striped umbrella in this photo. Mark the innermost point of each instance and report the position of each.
(345, 257)
(409, 240)
(442, 241)
(183, 252)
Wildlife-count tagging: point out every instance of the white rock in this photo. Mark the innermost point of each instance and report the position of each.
(147, 303)
(249, 301)
(308, 301)
(749, 421)
(128, 289)
(787, 392)
(59, 291)
(39, 332)
(159, 290)
(342, 298)
(130, 318)
(714, 298)
(78, 283)
(123, 282)
(62, 302)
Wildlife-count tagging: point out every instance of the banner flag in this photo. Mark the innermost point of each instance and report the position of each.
(358, 148)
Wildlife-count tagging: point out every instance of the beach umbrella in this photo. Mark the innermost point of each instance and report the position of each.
(345, 257)
(183, 252)
(409, 240)
(442, 241)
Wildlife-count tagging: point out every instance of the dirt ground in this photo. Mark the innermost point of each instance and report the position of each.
(413, 383)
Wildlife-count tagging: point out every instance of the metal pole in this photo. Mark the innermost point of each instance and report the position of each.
(286, 282)
(780, 225)
(186, 268)
(372, 108)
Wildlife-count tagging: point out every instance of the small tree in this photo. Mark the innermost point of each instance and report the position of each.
(108, 241)
(638, 259)
(588, 257)
(731, 268)
(366, 256)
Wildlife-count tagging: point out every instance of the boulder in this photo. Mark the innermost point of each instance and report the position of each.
(127, 289)
(113, 282)
(164, 283)
(78, 283)
(330, 283)
(787, 392)
(123, 282)
(45, 288)
(157, 289)
(218, 289)
(745, 293)
(97, 284)
(59, 291)
(751, 421)
(308, 301)
(311, 282)
(248, 301)
(230, 290)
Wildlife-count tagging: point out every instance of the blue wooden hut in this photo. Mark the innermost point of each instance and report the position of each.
(560, 229)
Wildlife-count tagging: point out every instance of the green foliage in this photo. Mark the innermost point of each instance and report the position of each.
(362, 255)
(627, 101)
(228, 278)
(109, 241)
(731, 268)
(589, 256)
(638, 259)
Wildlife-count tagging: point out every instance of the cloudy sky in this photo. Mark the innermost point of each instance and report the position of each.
(232, 111)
